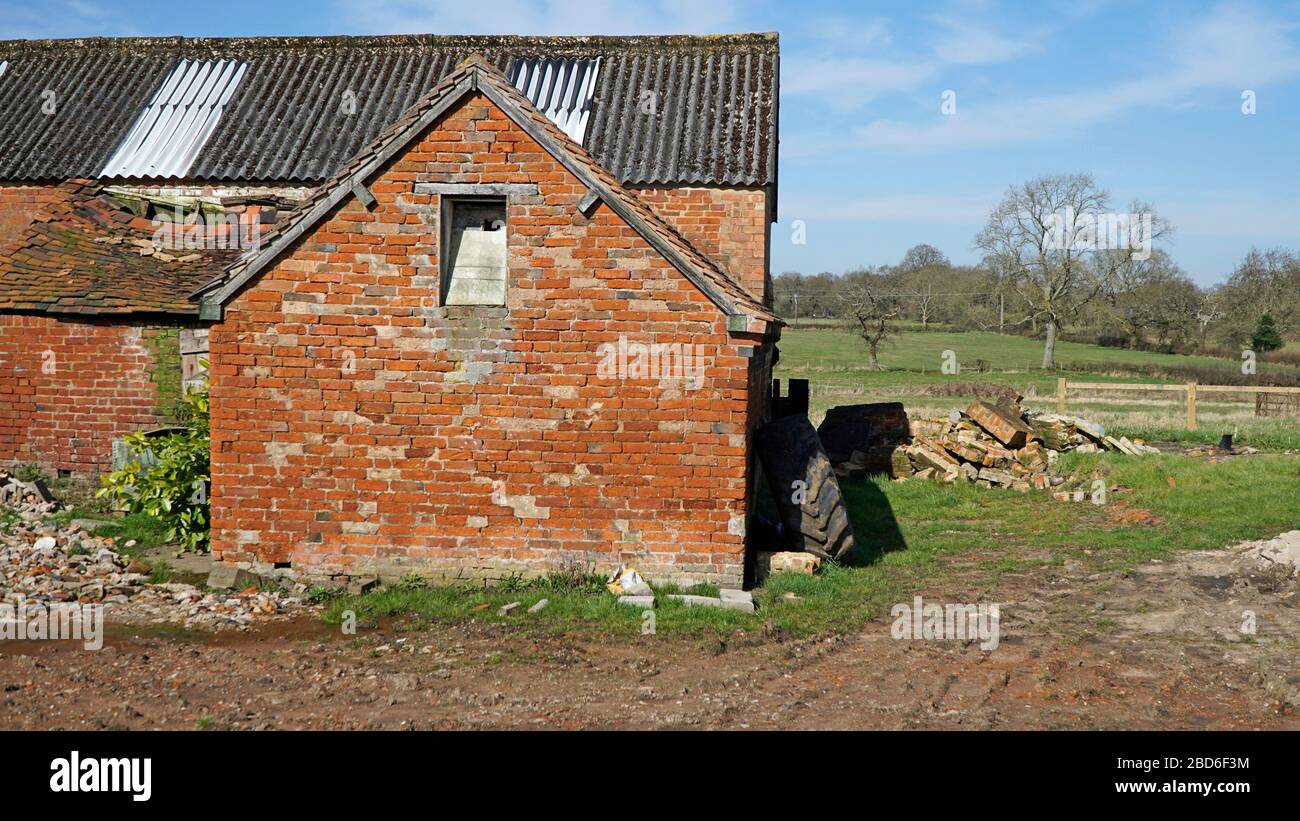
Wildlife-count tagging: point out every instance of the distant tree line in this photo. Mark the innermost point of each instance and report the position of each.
(1051, 281)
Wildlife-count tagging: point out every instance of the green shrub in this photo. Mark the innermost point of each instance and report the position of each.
(1266, 337)
(175, 490)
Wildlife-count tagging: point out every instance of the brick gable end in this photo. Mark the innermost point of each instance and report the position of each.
(359, 426)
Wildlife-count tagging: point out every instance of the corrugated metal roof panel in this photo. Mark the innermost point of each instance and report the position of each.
(65, 105)
(664, 110)
(561, 88)
(687, 117)
(178, 121)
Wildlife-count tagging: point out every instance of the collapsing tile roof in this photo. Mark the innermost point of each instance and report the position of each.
(662, 110)
(473, 74)
(89, 254)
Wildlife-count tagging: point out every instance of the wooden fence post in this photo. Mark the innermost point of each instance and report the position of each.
(1191, 406)
(1060, 396)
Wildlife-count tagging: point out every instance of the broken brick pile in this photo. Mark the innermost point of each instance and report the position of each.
(991, 445)
(44, 564)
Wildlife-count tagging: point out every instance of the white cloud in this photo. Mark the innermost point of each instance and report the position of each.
(1235, 215)
(962, 41)
(1232, 47)
(850, 63)
(848, 83)
(853, 34)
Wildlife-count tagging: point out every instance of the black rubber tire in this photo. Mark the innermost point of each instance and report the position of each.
(791, 451)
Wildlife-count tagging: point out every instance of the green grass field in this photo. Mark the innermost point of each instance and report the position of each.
(922, 351)
(911, 536)
(835, 362)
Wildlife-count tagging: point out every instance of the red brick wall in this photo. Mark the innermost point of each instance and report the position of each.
(68, 388)
(730, 225)
(18, 203)
(359, 427)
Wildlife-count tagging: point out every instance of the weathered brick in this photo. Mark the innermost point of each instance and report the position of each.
(468, 442)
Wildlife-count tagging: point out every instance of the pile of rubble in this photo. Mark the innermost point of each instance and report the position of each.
(28, 499)
(991, 445)
(43, 565)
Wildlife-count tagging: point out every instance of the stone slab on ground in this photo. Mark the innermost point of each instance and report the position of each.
(228, 577)
(637, 601)
(741, 604)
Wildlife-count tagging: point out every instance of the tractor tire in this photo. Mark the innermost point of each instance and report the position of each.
(813, 514)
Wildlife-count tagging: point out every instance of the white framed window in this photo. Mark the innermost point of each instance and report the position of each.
(473, 251)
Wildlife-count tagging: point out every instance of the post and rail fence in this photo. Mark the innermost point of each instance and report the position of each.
(1191, 389)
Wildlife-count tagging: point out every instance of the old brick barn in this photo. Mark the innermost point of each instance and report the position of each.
(514, 308)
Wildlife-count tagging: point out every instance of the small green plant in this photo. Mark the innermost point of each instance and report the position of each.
(31, 473)
(412, 581)
(8, 518)
(513, 583)
(160, 573)
(174, 487)
(1266, 337)
(319, 595)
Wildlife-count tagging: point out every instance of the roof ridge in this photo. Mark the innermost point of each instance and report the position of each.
(427, 40)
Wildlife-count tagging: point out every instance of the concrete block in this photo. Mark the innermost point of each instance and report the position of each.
(361, 586)
(229, 577)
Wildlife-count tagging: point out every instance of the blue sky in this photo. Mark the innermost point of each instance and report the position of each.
(1145, 96)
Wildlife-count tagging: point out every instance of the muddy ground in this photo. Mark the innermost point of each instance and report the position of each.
(1162, 647)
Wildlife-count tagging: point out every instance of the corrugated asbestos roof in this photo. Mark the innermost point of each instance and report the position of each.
(177, 122)
(664, 110)
(715, 281)
(64, 108)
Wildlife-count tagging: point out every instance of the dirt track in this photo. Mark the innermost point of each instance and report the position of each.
(1160, 648)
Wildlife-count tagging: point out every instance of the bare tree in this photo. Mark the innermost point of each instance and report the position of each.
(1207, 313)
(923, 256)
(1266, 282)
(1153, 297)
(1045, 236)
(870, 303)
(922, 272)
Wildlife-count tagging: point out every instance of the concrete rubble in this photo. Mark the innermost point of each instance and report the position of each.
(42, 564)
(634, 591)
(787, 561)
(1281, 552)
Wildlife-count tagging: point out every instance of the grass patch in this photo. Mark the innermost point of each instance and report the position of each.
(913, 536)
(146, 531)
